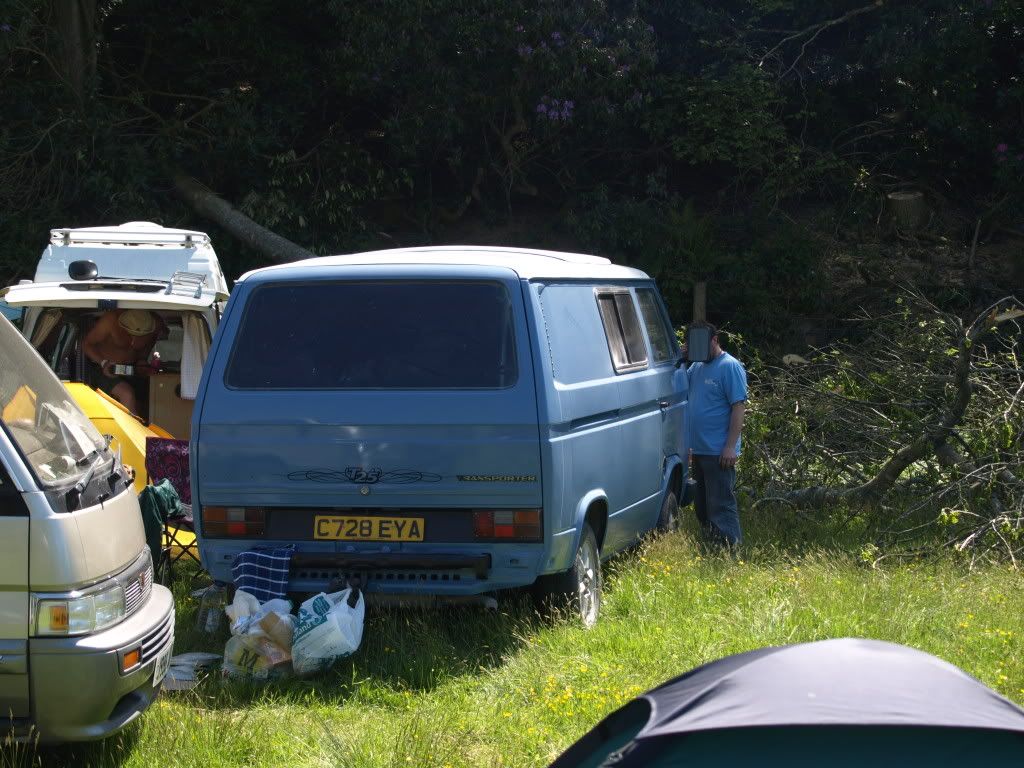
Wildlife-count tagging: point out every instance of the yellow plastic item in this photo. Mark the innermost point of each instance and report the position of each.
(21, 407)
(112, 418)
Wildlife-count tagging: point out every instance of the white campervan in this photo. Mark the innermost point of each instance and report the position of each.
(174, 274)
(85, 635)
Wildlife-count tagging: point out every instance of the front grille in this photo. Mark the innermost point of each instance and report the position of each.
(137, 583)
(157, 639)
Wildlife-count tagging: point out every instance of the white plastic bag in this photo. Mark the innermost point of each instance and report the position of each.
(241, 610)
(246, 612)
(328, 628)
(255, 657)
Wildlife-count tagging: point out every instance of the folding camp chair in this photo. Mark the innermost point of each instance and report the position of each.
(167, 459)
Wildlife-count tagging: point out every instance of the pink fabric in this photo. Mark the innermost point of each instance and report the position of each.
(167, 458)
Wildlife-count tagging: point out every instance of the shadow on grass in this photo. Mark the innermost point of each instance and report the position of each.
(403, 649)
(98, 754)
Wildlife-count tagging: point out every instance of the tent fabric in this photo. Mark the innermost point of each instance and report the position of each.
(830, 684)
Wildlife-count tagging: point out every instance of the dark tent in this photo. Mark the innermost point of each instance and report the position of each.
(845, 702)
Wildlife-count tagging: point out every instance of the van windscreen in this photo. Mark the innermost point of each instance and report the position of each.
(375, 335)
(57, 440)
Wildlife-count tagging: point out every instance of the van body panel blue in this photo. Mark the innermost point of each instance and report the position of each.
(571, 431)
(605, 429)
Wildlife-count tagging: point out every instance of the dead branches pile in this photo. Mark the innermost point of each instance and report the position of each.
(918, 428)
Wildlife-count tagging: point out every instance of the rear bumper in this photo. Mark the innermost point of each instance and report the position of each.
(480, 565)
(436, 569)
(78, 690)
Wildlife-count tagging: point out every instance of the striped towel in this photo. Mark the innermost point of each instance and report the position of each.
(263, 573)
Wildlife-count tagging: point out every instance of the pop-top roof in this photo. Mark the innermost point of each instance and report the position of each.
(137, 250)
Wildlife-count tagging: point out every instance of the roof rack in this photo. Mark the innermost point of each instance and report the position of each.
(133, 233)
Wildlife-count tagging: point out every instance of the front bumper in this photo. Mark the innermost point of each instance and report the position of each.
(78, 690)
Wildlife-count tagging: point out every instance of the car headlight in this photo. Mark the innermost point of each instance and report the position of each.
(80, 613)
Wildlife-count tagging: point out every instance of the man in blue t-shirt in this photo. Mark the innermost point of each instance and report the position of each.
(717, 399)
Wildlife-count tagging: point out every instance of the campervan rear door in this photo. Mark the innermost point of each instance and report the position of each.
(365, 387)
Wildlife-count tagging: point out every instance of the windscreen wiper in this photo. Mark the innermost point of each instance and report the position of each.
(94, 458)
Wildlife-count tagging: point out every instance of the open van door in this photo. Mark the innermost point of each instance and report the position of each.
(14, 608)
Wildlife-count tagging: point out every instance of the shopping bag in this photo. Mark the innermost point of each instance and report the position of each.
(255, 657)
(329, 626)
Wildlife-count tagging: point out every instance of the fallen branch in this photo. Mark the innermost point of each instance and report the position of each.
(207, 203)
(929, 441)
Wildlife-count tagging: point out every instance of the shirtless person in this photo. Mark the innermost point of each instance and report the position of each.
(126, 337)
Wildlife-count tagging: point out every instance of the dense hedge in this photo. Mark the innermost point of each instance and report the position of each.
(688, 138)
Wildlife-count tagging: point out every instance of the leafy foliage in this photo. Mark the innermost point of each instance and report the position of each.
(676, 136)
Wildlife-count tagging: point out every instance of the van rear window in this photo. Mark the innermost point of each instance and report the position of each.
(375, 335)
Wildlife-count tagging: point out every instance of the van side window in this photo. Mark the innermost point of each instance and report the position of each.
(621, 326)
(657, 331)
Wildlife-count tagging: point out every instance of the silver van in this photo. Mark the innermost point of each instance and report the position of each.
(85, 634)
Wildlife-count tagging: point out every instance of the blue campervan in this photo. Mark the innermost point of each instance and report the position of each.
(443, 421)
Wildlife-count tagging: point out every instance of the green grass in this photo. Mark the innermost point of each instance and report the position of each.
(468, 688)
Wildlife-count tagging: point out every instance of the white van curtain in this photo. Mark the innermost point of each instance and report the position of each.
(47, 322)
(194, 350)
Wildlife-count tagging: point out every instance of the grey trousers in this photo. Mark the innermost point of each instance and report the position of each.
(714, 500)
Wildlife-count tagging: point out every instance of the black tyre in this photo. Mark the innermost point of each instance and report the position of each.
(579, 588)
(668, 520)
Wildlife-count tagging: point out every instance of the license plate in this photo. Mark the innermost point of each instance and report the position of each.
(345, 528)
(163, 662)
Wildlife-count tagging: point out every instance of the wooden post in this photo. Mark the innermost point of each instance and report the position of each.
(700, 294)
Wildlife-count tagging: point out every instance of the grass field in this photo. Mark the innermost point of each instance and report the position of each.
(469, 688)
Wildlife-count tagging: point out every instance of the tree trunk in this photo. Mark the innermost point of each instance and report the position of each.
(908, 210)
(76, 33)
(276, 248)
(700, 302)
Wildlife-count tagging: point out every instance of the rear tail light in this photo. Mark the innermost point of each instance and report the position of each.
(236, 522)
(507, 524)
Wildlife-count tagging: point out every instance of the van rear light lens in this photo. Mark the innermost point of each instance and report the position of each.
(236, 522)
(507, 524)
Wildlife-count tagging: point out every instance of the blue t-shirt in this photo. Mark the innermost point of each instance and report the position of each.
(714, 388)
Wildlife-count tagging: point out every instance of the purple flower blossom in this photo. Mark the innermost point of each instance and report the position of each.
(525, 51)
(519, 27)
(650, 28)
(5, 27)
(1001, 148)
(542, 108)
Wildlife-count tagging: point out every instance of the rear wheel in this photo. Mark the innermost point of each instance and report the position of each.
(579, 588)
(668, 520)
